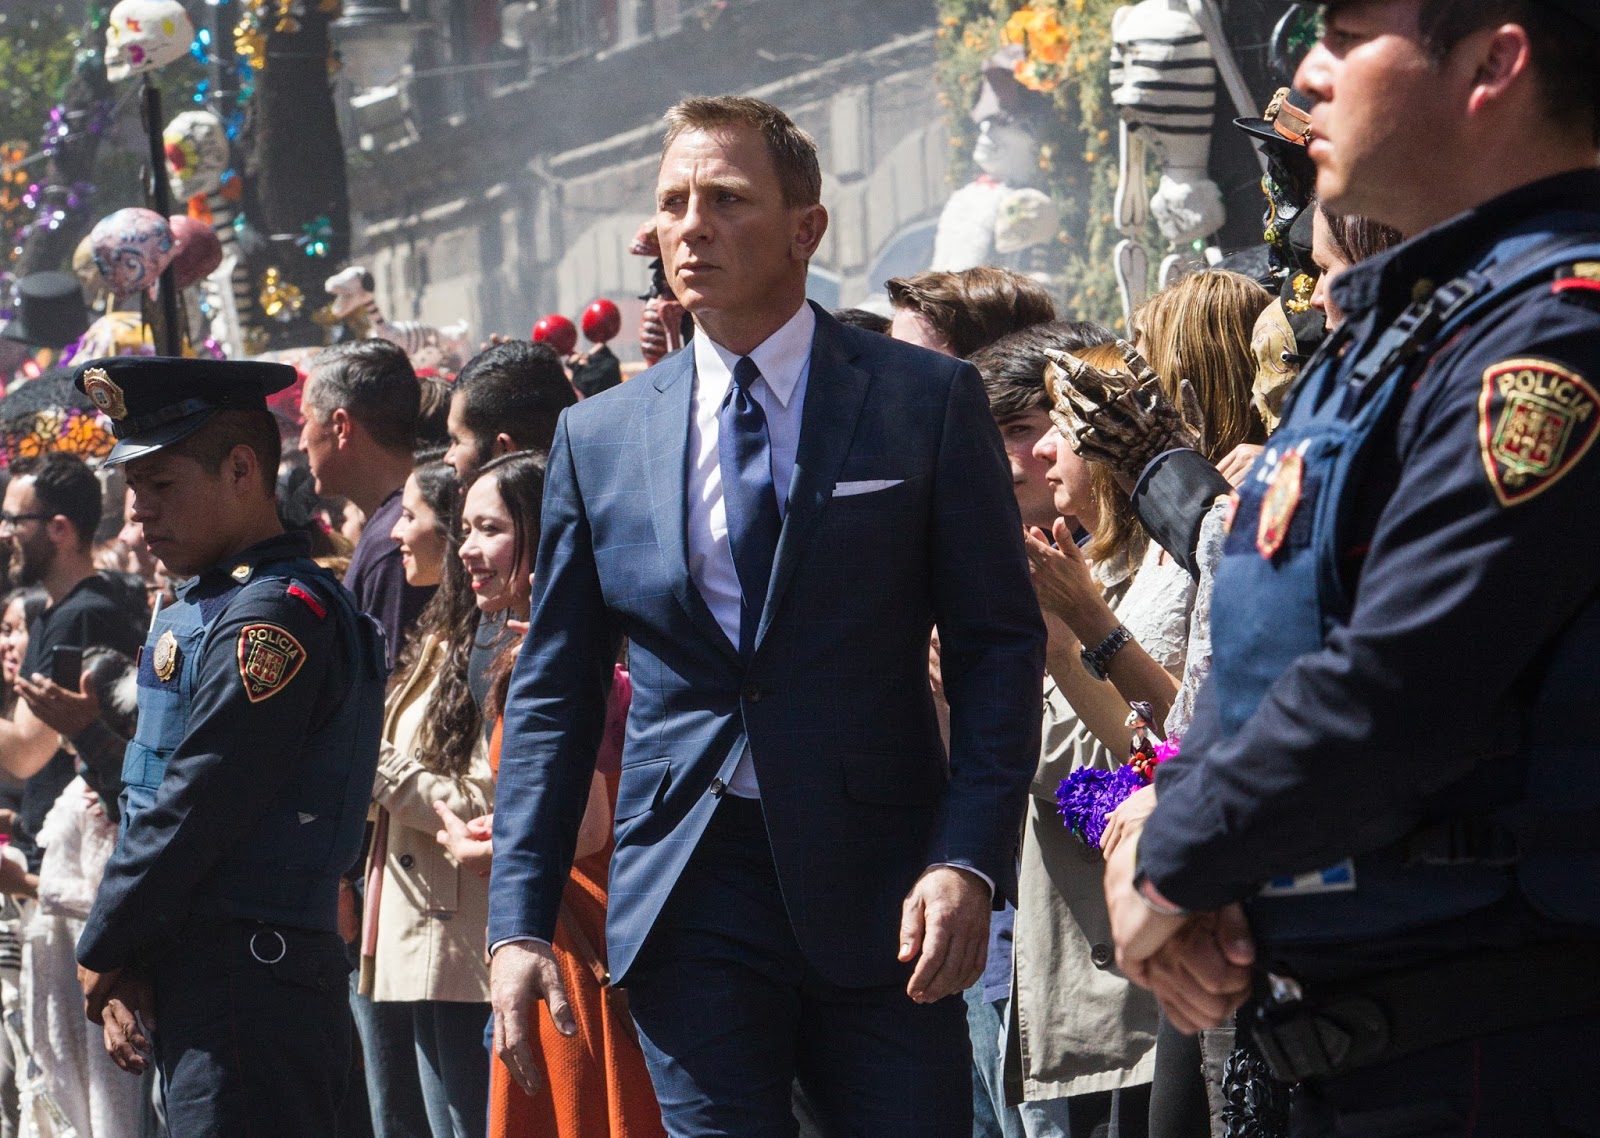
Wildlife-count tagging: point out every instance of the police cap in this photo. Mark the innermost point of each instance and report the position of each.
(154, 401)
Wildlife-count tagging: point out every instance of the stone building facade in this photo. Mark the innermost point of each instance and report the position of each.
(523, 201)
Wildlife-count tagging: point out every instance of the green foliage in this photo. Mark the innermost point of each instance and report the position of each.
(36, 54)
(1069, 63)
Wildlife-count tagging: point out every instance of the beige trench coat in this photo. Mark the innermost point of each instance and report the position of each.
(1077, 1025)
(432, 914)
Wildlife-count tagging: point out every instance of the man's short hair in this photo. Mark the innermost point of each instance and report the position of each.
(794, 153)
(973, 308)
(373, 381)
(517, 388)
(214, 441)
(1564, 49)
(1012, 367)
(64, 485)
(863, 319)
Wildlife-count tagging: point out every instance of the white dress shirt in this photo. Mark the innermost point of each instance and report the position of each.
(784, 360)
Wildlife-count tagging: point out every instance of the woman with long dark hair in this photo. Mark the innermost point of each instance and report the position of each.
(595, 1084)
(422, 938)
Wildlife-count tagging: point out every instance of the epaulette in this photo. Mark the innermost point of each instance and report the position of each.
(1580, 276)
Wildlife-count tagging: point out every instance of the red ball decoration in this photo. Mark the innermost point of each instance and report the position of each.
(197, 250)
(557, 331)
(602, 320)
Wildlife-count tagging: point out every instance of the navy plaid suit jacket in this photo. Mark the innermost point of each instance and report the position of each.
(858, 795)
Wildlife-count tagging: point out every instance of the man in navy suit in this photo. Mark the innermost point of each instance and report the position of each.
(775, 519)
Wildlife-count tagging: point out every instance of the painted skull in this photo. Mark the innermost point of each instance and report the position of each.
(142, 35)
(196, 143)
(131, 247)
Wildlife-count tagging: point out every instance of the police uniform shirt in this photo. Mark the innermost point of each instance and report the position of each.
(1473, 544)
(244, 740)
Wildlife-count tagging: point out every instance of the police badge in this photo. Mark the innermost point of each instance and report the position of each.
(1278, 506)
(166, 657)
(104, 393)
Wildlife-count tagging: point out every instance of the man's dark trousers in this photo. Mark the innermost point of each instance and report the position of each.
(721, 972)
(253, 1030)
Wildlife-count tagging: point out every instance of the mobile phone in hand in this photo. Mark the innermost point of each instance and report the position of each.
(66, 666)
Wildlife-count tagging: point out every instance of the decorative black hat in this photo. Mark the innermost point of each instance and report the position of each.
(154, 401)
(50, 311)
(1287, 119)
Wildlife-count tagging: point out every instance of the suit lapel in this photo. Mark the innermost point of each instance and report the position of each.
(835, 391)
(666, 442)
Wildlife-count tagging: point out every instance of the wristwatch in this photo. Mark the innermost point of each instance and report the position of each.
(1098, 659)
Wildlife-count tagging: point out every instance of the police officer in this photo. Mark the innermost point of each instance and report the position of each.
(248, 777)
(1396, 763)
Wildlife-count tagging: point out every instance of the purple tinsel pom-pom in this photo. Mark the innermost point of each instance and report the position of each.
(1087, 796)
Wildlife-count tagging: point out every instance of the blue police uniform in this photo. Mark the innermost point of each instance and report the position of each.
(1397, 760)
(247, 784)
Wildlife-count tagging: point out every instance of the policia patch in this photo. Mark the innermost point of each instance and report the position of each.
(1536, 420)
(269, 657)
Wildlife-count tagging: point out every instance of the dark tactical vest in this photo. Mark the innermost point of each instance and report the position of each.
(285, 868)
(1538, 838)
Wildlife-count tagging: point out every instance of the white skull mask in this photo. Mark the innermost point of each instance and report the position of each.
(196, 143)
(142, 35)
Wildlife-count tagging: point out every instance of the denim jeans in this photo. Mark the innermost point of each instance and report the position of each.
(986, 1019)
(453, 1066)
(389, 1054)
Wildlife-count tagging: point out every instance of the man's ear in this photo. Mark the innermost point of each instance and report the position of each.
(1502, 58)
(240, 469)
(62, 533)
(503, 444)
(342, 426)
(811, 225)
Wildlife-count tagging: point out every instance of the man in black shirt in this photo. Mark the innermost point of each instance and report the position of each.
(360, 407)
(50, 513)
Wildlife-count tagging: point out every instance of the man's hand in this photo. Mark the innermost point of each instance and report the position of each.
(520, 974)
(1202, 975)
(944, 927)
(97, 988)
(1138, 929)
(67, 712)
(129, 1022)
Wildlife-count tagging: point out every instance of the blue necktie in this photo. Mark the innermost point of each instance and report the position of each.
(745, 453)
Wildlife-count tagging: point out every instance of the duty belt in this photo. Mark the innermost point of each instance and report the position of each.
(1344, 1027)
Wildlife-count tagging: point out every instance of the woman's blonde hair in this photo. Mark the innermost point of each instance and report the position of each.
(1199, 330)
(1117, 529)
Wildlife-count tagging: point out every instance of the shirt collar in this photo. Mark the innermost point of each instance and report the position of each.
(283, 547)
(1450, 248)
(782, 357)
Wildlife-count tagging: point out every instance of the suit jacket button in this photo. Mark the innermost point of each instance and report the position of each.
(718, 788)
(1101, 955)
(407, 861)
(752, 693)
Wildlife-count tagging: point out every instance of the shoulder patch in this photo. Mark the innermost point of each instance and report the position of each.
(1536, 420)
(269, 657)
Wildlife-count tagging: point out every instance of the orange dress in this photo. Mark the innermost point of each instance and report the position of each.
(596, 1082)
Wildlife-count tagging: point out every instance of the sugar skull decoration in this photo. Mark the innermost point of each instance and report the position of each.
(197, 252)
(143, 35)
(131, 248)
(1164, 84)
(196, 143)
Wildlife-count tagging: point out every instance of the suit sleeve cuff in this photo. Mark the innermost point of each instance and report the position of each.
(978, 873)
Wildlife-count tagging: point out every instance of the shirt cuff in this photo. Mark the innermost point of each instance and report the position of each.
(499, 944)
(987, 880)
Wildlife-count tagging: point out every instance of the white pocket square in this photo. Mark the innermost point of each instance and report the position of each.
(868, 486)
